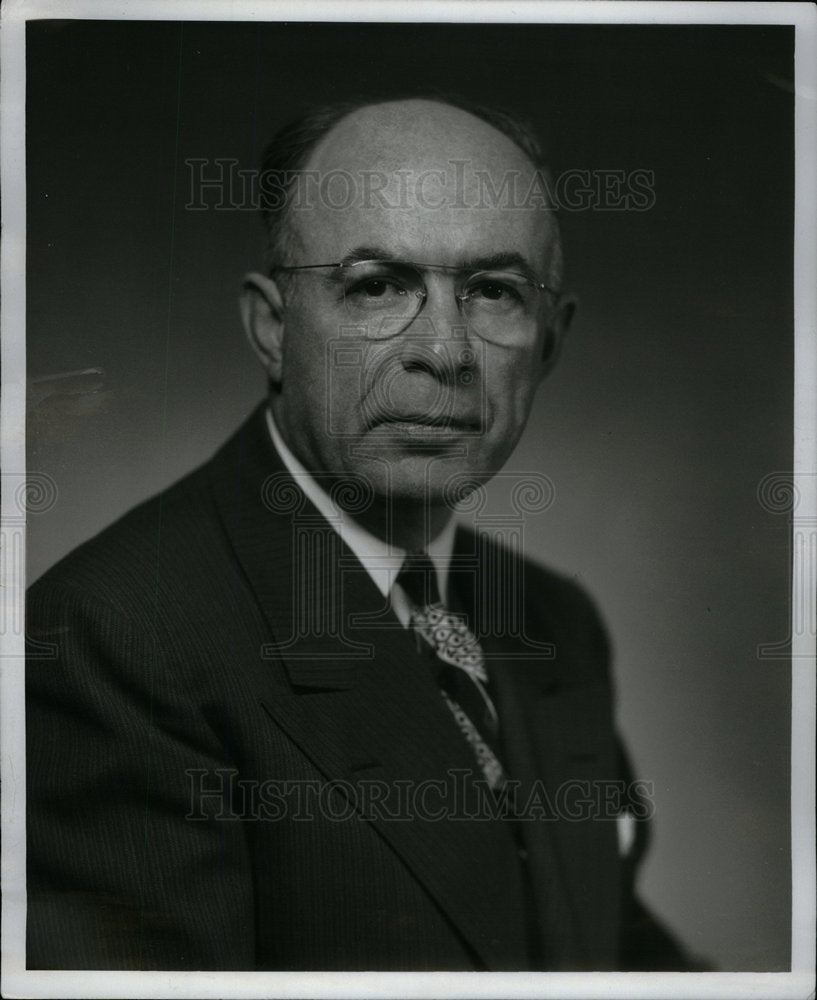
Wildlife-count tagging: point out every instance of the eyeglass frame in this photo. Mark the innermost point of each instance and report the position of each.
(419, 266)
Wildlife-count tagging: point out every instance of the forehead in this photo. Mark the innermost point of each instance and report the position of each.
(424, 181)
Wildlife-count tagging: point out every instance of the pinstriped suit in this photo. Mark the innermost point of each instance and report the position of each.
(200, 673)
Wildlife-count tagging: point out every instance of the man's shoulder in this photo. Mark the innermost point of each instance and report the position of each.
(554, 606)
(542, 584)
(126, 556)
(172, 537)
(168, 542)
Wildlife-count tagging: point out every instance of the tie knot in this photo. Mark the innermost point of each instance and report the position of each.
(418, 578)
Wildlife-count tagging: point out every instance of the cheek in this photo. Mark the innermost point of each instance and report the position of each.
(511, 383)
(306, 349)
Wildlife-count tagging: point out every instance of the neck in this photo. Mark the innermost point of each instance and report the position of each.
(409, 526)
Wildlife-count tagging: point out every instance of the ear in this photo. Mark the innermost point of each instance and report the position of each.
(556, 327)
(262, 313)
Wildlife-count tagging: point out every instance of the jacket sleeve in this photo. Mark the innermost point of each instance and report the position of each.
(119, 876)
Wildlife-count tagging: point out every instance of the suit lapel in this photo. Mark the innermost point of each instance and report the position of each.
(361, 703)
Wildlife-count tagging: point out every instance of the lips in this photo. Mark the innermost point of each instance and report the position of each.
(425, 421)
(415, 400)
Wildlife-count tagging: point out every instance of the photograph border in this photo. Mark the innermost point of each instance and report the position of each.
(19, 982)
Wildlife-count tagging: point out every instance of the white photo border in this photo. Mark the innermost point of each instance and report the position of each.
(19, 982)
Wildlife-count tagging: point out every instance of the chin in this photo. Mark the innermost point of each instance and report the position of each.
(429, 480)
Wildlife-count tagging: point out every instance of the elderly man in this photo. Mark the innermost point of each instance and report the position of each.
(298, 718)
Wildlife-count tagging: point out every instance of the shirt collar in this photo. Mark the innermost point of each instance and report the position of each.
(380, 560)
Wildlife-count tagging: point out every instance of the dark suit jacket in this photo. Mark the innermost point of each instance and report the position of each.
(220, 711)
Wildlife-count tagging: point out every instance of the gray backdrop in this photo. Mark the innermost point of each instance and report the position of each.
(672, 401)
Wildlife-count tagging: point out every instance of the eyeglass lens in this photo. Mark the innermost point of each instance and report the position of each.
(387, 295)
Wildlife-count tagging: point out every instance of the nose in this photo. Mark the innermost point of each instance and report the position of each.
(436, 341)
(441, 304)
(448, 354)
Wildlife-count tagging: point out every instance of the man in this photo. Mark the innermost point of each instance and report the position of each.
(297, 719)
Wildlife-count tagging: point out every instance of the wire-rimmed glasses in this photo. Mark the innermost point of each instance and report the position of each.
(500, 306)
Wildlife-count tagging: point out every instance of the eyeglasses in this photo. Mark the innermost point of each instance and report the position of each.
(387, 295)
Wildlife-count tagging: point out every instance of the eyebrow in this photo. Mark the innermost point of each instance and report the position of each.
(367, 253)
(487, 262)
(502, 259)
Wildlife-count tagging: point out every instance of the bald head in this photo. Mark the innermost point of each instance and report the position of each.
(427, 161)
(381, 136)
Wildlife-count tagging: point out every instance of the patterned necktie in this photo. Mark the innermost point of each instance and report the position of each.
(458, 660)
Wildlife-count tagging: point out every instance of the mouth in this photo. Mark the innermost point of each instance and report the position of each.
(427, 424)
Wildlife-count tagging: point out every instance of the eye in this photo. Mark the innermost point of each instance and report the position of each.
(376, 288)
(493, 290)
(373, 287)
